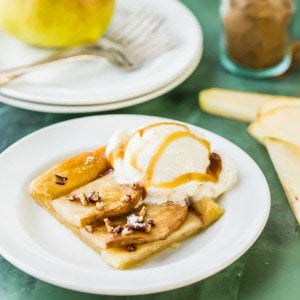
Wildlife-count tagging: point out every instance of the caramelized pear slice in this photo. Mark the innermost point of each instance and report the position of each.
(68, 175)
(121, 259)
(166, 217)
(114, 199)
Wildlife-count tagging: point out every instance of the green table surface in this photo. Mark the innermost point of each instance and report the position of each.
(271, 268)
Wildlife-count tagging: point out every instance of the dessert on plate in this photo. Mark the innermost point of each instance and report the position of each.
(141, 193)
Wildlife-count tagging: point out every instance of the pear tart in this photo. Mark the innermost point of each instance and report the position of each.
(112, 218)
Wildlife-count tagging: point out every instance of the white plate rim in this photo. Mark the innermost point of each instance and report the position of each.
(38, 274)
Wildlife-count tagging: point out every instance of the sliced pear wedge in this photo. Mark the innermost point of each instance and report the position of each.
(232, 104)
(76, 171)
(281, 123)
(269, 106)
(242, 106)
(286, 160)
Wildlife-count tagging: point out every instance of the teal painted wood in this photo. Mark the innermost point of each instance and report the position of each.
(271, 268)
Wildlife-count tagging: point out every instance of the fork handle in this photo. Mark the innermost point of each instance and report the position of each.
(66, 55)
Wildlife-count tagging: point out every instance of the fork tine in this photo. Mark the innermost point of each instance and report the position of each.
(146, 30)
(151, 48)
(159, 36)
(146, 26)
(146, 37)
(141, 58)
(124, 25)
(132, 22)
(143, 37)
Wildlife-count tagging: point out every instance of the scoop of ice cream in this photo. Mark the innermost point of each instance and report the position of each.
(172, 161)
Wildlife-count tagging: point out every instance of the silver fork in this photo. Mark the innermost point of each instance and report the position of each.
(137, 40)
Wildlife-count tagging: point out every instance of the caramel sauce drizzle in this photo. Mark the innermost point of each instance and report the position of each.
(185, 178)
(143, 130)
(133, 161)
(119, 153)
(215, 167)
(212, 174)
(212, 171)
(116, 154)
(181, 179)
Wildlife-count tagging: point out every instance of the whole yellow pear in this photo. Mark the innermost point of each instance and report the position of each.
(56, 23)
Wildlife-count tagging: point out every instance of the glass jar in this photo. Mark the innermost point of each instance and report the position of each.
(256, 36)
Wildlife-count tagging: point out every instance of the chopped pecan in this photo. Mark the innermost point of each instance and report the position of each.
(89, 228)
(99, 205)
(118, 229)
(125, 198)
(73, 198)
(127, 231)
(61, 180)
(89, 159)
(83, 199)
(94, 197)
(142, 212)
(134, 219)
(130, 247)
(150, 222)
(108, 225)
(139, 227)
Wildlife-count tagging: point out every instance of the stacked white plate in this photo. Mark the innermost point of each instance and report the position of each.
(90, 86)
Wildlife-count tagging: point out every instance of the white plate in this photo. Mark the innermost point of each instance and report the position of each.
(101, 107)
(36, 243)
(98, 82)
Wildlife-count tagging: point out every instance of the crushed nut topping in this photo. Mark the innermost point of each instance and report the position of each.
(130, 247)
(150, 222)
(99, 205)
(125, 198)
(61, 180)
(108, 225)
(142, 212)
(135, 222)
(134, 219)
(83, 199)
(144, 227)
(127, 231)
(118, 229)
(89, 159)
(73, 198)
(89, 228)
(94, 197)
